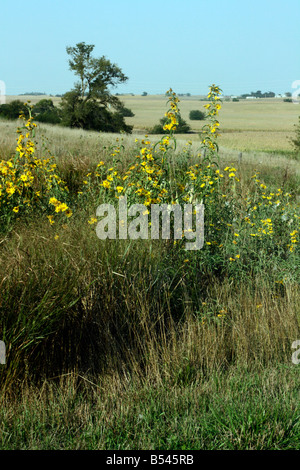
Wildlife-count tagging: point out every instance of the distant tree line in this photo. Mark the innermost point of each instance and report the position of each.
(33, 93)
(259, 94)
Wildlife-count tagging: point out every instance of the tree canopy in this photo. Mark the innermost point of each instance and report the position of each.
(90, 104)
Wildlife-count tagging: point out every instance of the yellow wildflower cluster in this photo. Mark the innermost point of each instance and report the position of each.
(210, 131)
(27, 181)
(172, 122)
(60, 206)
(294, 240)
(233, 225)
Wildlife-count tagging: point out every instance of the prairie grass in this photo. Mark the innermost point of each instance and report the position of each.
(133, 344)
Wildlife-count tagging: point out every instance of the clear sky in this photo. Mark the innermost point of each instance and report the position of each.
(240, 45)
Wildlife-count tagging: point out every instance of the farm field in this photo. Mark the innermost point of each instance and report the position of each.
(259, 125)
(142, 344)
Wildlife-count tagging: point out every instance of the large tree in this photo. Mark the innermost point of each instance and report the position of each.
(90, 105)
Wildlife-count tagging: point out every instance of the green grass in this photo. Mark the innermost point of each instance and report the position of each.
(239, 409)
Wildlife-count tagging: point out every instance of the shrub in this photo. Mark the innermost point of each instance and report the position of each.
(125, 112)
(196, 115)
(45, 111)
(13, 110)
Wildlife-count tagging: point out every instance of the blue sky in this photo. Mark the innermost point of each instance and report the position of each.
(242, 46)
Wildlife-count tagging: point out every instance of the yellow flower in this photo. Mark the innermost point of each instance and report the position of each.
(106, 184)
(119, 189)
(61, 207)
(92, 220)
(10, 190)
(16, 209)
(53, 201)
(56, 237)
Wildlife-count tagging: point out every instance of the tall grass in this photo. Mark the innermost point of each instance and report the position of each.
(76, 303)
(123, 344)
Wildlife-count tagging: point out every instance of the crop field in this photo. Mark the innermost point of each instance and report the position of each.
(258, 125)
(139, 343)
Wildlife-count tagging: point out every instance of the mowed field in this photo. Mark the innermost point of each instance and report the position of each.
(258, 125)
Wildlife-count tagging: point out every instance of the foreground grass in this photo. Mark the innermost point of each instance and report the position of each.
(239, 409)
